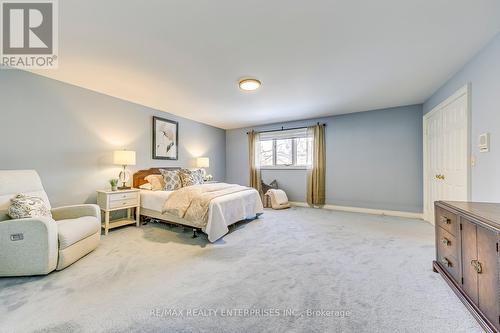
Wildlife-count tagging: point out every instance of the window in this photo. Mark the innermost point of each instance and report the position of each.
(284, 152)
(285, 149)
(266, 153)
(303, 147)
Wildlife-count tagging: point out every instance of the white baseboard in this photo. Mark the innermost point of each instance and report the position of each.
(364, 210)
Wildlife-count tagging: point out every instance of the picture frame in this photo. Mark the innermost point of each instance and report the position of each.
(165, 139)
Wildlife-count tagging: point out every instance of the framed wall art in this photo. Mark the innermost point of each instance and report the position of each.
(165, 139)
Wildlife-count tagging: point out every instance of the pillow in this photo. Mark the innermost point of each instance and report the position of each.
(171, 179)
(24, 206)
(191, 177)
(146, 186)
(156, 181)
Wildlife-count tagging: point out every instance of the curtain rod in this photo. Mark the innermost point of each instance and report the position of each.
(286, 129)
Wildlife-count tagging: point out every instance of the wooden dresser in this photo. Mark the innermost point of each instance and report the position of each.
(467, 257)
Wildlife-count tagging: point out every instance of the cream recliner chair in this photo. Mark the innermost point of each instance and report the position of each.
(35, 246)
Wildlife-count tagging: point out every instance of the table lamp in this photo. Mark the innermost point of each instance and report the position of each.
(124, 158)
(202, 163)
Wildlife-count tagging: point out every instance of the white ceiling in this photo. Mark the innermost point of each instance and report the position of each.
(314, 58)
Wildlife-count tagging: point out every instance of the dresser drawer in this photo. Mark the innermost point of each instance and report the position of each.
(447, 220)
(123, 196)
(122, 203)
(450, 263)
(447, 244)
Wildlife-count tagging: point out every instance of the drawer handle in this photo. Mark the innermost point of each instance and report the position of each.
(446, 241)
(446, 262)
(477, 266)
(445, 220)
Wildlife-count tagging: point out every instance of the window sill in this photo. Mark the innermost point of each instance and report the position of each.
(284, 168)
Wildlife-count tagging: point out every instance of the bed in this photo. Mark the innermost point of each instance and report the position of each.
(223, 210)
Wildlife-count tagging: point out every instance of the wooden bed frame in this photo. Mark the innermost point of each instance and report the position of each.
(138, 177)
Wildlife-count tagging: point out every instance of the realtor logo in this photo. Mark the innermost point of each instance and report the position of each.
(29, 34)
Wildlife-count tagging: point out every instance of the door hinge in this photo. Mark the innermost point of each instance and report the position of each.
(460, 226)
(462, 280)
(497, 247)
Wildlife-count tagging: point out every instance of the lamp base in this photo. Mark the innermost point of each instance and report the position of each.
(124, 178)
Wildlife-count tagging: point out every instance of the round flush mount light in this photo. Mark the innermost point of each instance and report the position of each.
(249, 84)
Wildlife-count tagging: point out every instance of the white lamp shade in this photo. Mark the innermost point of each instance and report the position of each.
(202, 162)
(124, 157)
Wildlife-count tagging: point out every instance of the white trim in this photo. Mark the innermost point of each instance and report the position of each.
(456, 95)
(372, 211)
(283, 167)
(465, 90)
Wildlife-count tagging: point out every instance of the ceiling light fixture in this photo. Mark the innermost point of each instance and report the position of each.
(249, 84)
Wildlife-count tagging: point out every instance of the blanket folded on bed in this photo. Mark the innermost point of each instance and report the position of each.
(192, 202)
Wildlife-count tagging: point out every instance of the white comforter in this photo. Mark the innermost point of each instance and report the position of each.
(223, 211)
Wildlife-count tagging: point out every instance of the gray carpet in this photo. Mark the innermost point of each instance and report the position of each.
(367, 273)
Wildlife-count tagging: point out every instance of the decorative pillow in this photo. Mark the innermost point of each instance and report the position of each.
(156, 181)
(171, 179)
(191, 177)
(24, 206)
(146, 186)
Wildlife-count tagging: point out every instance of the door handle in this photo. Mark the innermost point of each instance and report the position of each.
(445, 241)
(445, 220)
(477, 266)
(446, 262)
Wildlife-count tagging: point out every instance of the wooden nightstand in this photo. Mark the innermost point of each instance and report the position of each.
(110, 201)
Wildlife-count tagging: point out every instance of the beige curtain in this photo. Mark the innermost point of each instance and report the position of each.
(317, 166)
(254, 160)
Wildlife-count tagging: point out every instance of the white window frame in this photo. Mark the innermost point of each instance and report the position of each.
(292, 166)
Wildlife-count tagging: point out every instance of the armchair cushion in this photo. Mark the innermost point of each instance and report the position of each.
(71, 231)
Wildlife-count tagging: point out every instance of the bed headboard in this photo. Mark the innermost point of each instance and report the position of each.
(138, 178)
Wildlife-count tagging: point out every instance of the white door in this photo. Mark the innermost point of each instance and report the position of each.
(446, 152)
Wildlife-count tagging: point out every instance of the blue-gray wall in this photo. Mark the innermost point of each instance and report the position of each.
(483, 74)
(68, 134)
(374, 160)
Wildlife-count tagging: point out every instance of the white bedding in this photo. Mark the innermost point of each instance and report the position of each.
(223, 211)
(154, 200)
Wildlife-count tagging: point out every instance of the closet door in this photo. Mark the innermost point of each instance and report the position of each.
(469, 255)
(446, 153)
(435, 160)
(487, 275)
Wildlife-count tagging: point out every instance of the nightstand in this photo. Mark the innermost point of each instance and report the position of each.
(111, 201)
(211, 181)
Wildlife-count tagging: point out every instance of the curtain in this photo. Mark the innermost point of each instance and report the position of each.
(254, 160)
(317, 166)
